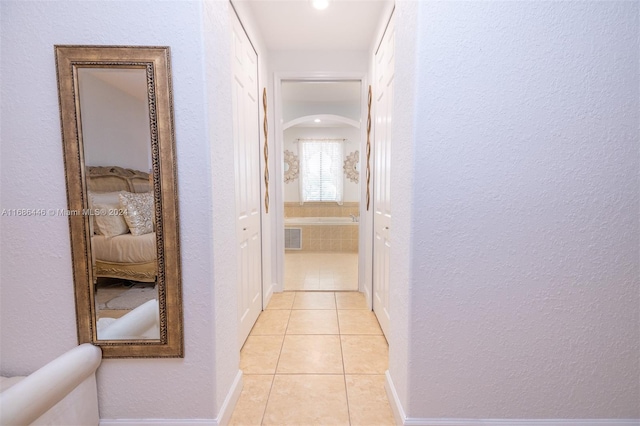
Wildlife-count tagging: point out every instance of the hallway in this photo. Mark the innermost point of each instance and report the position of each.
(314, 358)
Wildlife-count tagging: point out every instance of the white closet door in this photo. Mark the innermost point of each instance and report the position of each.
(246, 139)
(383, 96)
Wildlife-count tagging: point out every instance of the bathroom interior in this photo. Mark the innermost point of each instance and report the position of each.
(321, 154)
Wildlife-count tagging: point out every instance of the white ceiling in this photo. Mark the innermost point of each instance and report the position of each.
(296, 25)
(321, 91)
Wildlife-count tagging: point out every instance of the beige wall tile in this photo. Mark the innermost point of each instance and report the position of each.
(334, 232)
(315, 232)
(345, 232)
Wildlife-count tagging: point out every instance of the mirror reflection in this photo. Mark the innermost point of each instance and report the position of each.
(117, 152)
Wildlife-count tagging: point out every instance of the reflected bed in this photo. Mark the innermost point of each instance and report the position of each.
(125, 256)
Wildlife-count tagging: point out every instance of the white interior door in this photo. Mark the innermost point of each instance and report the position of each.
(383, 96)
(246, 138)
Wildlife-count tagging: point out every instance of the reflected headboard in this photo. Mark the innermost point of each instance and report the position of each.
(114, 178)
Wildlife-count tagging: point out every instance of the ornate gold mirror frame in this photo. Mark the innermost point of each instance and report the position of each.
(155, 62)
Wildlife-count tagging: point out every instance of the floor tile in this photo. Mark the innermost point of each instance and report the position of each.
(281, 300)
(307, 400)
(314, 300)
(313, 354)
(253, 400)
(259, 355)
(368, 403)
(317, 321)
(271, 322)
(358, 322)
(321, 271)
(351, 300)
(365, 354)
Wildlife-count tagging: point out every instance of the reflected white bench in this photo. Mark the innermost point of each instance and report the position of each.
(141, 323)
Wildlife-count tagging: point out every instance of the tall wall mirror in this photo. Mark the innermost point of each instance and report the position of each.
(118, 138)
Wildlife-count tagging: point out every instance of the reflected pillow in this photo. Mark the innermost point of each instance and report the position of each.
(111, 198)
(138, 211)
(109, 219)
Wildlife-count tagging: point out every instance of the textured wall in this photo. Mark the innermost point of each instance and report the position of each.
(525, 295)
(403, 176)
(37, 309)
(217, 38)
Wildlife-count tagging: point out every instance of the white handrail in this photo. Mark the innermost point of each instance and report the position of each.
(27, 400)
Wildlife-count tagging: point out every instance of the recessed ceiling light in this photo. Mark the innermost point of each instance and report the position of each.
(320, 4)
(317, 120)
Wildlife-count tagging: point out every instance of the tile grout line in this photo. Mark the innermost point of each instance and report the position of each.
(273, 379)
(339, 335)
(344, 369)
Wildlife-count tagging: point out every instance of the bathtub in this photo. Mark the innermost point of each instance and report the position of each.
(326, 221)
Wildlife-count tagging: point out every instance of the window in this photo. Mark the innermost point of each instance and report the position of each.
(321, 170)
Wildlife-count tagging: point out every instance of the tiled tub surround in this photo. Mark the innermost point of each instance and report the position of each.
(321, 209)
(341, 237)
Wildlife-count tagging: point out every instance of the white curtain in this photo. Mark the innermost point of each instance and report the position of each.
(321, 163)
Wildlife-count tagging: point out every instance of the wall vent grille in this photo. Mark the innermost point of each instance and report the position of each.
(293, 238)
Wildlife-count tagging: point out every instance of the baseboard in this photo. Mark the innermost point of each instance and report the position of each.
(158, 422)
(394, 401)
(223, 416)
(520, 422)
(402, 419)
(267, 294)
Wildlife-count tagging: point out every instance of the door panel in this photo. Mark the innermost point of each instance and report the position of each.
(383, 95)
(246, 138)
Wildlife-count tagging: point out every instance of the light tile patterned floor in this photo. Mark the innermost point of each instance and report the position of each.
(314, 358)
(320, 271)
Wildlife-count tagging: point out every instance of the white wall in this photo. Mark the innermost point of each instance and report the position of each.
(115, 125)
(351, 190)
(525, 274)
(37, 308)
(317, 62)
(292, 109)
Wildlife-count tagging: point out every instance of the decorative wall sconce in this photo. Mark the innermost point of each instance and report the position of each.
(351, 166)
(291, 166)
